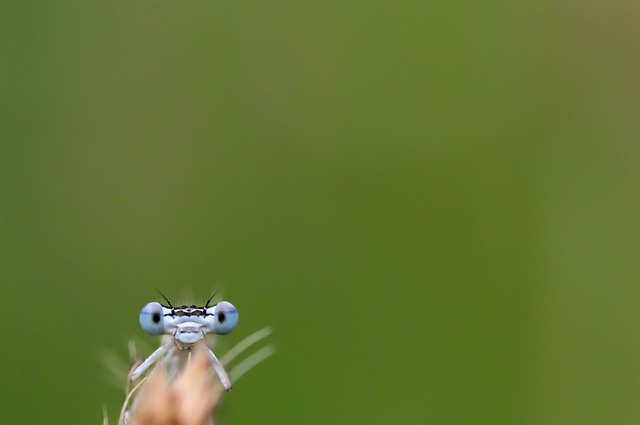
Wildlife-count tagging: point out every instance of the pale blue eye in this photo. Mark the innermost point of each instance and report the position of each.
(226, 317)
(152, 319)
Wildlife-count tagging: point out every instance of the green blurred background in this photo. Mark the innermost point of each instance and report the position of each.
(435, 204)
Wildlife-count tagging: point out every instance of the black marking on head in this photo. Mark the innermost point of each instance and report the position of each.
(185, 310)
(188, 312)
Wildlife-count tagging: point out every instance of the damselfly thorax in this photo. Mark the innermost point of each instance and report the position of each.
(184, 327)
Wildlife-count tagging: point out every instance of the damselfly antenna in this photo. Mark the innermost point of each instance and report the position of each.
(210, 298)
(164, 298)
(187, 326)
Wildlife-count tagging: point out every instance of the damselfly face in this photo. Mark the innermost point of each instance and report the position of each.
(188, 325)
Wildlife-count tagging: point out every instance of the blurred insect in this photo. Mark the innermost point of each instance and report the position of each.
(184, 327)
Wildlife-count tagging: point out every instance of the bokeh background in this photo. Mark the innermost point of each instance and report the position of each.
(435, 204)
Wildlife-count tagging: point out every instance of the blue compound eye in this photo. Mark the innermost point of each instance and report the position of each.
(152, 319)
(226, 317)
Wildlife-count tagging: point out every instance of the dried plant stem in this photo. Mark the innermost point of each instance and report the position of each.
(191, 395)
(190, 400)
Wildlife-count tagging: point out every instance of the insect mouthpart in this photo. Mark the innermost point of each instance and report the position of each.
(188, 333)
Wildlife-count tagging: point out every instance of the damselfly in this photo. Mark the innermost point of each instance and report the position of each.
(183, 328)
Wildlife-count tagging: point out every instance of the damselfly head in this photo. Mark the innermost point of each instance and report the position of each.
(188, 324)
